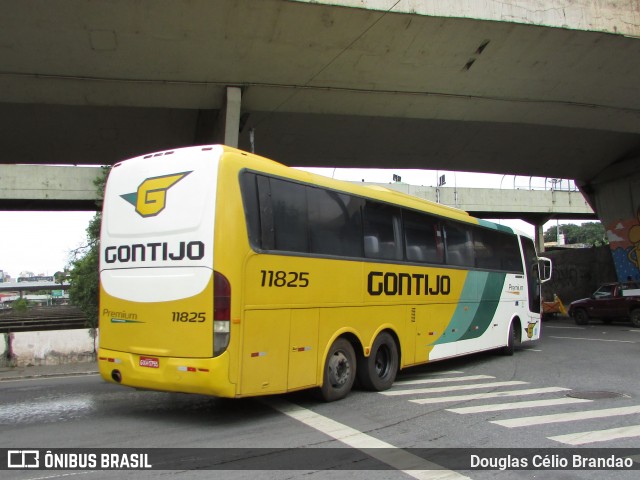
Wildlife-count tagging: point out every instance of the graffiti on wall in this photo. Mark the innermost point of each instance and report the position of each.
(624, 240)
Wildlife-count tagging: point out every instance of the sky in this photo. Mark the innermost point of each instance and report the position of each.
(41, 242)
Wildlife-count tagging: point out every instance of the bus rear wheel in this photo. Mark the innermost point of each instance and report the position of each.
(378, 371)
(339, 371)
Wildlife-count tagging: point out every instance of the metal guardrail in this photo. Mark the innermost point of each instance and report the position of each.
(41, 319)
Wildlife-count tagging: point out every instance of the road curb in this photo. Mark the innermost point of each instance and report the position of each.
(45, 375)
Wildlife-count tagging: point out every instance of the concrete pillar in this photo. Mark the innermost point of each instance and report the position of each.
(538, 222)
(230, 116)
(539, 237)
(615, 195)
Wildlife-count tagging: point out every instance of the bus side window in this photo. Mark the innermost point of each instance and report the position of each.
(251, 208)
(290, 220)
(381, 222)
(422, 238)
(459, 246)
(335, 223)
(267, 231)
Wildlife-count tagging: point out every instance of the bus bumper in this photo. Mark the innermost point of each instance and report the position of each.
(206, 376)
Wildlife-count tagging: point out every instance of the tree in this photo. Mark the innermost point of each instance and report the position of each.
(84, 269)
(20, 305)
(590, 233)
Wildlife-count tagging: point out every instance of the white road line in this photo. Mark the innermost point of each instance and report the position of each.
(582, 438)
(475, 386)
(567, 417)
(481, 396)
(408, 378)
(497, 407)
(594, 339)
(395, 457)
(431, 374)
(421, 381)
(562, 328)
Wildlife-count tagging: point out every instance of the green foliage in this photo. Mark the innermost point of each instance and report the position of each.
(20, 305)
(83, 289)
(591, 233)
(84, 274)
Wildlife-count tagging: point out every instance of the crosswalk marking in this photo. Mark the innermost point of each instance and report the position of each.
(482, 396)
(579, 438)
(496, 407)
(407, 462)
(567, 417)
(475, 386)
(582, 438)
(594, 339)
(423, 381)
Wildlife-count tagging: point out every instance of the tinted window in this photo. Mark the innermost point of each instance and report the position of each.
(459, 244)
(496, 250)
(288, 216)
(289, 203)
(380, 225)
(533, 277)
(423, 238)
(335, 223)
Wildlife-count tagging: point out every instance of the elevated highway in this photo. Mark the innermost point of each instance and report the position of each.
(41, 187)
(36, 187)
(527, 87)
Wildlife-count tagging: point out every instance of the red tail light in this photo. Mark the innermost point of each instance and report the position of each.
(221, 313)
(221, 297)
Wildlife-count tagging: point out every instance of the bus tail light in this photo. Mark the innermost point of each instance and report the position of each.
(221, 313)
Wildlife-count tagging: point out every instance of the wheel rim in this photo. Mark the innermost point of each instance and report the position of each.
(339, 369)
(382, 361)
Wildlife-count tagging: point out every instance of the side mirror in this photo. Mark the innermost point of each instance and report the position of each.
(545, 267)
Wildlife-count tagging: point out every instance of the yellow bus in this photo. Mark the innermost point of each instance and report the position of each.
(228, 274)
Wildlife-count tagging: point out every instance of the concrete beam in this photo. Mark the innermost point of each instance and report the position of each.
(531, 205)
(39, 187)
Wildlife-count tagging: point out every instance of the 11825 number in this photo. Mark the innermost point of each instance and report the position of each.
(280, 278)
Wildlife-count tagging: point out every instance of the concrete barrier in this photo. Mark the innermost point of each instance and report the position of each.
(577, 273)
(48, 347)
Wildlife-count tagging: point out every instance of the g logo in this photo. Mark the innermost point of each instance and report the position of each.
(151, 197)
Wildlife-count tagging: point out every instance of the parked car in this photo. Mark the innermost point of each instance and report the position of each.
(610, 301)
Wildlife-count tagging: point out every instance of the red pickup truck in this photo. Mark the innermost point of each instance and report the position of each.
(609, 302)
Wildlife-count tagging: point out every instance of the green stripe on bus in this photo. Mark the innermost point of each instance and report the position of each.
(489, 302)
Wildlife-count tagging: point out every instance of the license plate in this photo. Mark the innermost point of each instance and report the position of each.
(149, 362)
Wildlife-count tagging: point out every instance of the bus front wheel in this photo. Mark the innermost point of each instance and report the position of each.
(512, 339)
(339, 371)
(378, 371)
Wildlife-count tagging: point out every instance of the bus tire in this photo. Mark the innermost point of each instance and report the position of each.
(378, 371)
(635, 317)
(509, 349)
(339, 371)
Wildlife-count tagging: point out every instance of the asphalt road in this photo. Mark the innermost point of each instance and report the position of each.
(575, 389)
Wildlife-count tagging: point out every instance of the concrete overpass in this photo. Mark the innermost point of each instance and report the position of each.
(528, 87)
(29, 187)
